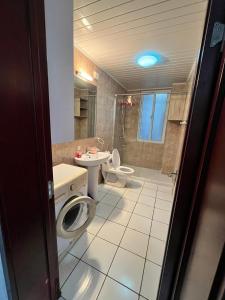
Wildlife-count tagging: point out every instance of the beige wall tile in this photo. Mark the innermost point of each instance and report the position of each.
(63, 153)
(105, 103)
(134, 152)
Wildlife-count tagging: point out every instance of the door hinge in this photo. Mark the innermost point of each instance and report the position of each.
(218, 34)
(50, 189)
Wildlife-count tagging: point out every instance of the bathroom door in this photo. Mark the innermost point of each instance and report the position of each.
(184, 216)
(201, 277)
(26, 210)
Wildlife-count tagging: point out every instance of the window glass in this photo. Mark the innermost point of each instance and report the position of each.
(159, 117)
(145, 121)
(152, 117)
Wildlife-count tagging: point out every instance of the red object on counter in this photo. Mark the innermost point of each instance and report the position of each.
(77, 154)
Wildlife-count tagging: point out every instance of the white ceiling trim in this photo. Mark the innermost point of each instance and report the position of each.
(113, 33)
(109, 74)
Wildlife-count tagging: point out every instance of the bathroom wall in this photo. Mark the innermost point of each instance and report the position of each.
(107, 87)
(63, 153)
(59, 41)
(134, 152)
(80, 124)
(118, 139)
(190, 86)
(165, 156)
(105, 112)
(173, 133)
(170, 147)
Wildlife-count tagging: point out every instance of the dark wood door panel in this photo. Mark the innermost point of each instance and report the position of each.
(177, 248)
(26, 214)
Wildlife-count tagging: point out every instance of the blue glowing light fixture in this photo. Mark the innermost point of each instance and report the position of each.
(148, 59)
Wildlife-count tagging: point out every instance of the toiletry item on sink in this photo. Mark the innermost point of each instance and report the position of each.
(92, 150)
(78, 152)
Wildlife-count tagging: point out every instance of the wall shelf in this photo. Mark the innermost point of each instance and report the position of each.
(177, 102)
(81, 108)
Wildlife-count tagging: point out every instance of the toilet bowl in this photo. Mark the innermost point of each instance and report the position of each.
(115, 174)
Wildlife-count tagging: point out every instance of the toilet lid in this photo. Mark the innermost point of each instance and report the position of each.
(115, 158)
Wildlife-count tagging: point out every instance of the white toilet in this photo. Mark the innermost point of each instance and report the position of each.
(115, 174)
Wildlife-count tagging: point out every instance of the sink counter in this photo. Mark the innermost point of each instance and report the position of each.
(92, 160)
(66, 173)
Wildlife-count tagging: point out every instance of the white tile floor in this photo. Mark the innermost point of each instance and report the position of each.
(121, 254)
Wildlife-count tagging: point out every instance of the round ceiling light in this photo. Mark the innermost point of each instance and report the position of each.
(146, 60)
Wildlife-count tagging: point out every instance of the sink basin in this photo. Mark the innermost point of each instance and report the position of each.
(92, 160)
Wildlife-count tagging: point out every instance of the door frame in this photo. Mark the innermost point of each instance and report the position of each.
(183, 220)
(33, 13)
(175, 258)
(43, 131)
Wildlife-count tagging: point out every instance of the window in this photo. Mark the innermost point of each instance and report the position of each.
(152, 117)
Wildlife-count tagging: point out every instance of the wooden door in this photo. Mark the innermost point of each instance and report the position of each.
(182, 224)
(177, 102)
(209, 235)
(26, 212)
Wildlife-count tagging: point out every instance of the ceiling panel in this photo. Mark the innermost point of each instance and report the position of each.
(151, 14)
(113, 33)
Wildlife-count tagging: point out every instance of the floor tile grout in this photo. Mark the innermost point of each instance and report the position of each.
(135, 214)
(112, 260)
(156, 198)
(148, 241)
(80, 259)
(117, 251)
(152, 220)
(146, 257)
(119, 245)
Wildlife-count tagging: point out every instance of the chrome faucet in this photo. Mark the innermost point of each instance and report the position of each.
(101, 142)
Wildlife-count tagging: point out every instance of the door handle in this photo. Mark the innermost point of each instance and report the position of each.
(173, 173)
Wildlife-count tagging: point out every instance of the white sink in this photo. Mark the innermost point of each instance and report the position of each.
(92, 162)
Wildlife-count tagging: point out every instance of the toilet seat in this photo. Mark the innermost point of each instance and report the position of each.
(115, 174)
(117, 168)
(122, 170)
(125, 170)
(115, 159)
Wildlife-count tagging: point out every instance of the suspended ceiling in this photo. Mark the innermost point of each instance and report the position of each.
(113, 33)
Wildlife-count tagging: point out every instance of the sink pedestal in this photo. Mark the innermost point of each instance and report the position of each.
(92, 163)
(93, 173)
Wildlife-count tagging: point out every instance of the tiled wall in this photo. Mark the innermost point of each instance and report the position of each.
(106, 90)
(175, 132)
(109, 125)
(169, 157)
(105, 112)
(190, 86)
(118, 141)
(134, 152)
(63, 153)
(80, 124)
(164, 156)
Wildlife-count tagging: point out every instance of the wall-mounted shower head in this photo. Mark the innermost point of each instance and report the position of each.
(126, 101)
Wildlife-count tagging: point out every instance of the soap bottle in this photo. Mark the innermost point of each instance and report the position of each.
(78, 152)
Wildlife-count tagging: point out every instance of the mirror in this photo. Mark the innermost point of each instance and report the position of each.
(84, 108)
